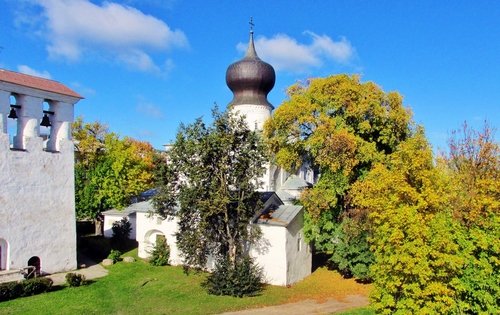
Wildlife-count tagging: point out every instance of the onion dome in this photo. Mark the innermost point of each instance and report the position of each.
(250, 79)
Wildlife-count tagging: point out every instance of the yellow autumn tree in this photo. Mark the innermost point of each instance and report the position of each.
(340, 126)
(413, 237)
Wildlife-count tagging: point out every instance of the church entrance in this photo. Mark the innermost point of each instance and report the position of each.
(35, 262)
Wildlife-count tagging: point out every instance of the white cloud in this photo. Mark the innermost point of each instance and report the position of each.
(76, 26)
(287, 54)
(28, 70)
(149, 109)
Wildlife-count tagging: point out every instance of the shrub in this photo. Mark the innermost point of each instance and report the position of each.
(75, 279)
(160, 253)
(114, 255)
(12, 290)
(352, 255)
(121, 230)
(36, 286)
(243, 278)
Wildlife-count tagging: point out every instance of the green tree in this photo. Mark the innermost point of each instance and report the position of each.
(474, 163)
(340, 127)
(211, 174)
(109, 171)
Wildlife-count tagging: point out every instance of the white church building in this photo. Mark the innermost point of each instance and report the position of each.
(37, 203)
(282, 251)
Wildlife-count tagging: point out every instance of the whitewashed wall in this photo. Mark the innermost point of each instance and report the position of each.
(109, 219)
(148, 226)
(298, 251)
(283, 253)
(37, 205)
(37, 200)
(270, 253)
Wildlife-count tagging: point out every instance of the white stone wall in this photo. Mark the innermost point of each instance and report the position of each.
(109, 219)
(270, 253)
(255, 117)
(37, 201)
(298, 251)
(148, 226)
(283, 253)
(37, 205)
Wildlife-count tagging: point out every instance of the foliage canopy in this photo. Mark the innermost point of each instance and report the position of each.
(109, 171)
(340, 127)
(209, 182)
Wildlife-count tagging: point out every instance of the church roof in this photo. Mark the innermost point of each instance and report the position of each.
(250, 78)
(294, 182)
(282, 216)
(143, 206)
(36, 83)
(284, 196)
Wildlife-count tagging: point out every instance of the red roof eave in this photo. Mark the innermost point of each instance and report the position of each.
(37, 83)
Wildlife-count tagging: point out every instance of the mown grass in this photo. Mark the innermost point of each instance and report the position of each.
(138, 288)
(359, 311)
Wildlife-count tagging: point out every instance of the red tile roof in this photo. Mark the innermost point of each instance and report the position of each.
(36, 83)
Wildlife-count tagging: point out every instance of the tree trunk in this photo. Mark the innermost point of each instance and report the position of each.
(98, 226)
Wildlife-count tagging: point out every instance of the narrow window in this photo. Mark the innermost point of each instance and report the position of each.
(12, 119)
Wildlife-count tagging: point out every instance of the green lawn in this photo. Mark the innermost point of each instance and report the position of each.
(359, 311)
(138, 288)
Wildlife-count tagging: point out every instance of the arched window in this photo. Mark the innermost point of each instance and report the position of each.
(12, 118)
(35, 262)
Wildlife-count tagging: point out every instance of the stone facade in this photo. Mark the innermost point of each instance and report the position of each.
(37, 203)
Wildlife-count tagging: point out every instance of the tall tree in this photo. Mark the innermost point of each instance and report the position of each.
(435, 230)
(211, 175)
(474, 163)
(109, 171)
(412, 232)
(339, 126)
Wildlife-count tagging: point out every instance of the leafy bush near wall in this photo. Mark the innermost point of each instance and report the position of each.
(114, 255)
(75, 279)
(13, 290)
(160, 253)
(121, 230)
(241, 278)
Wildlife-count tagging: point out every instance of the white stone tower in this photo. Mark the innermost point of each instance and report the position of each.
(251, 79)
(37, 199)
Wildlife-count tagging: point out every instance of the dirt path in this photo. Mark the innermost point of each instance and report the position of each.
(308, 307)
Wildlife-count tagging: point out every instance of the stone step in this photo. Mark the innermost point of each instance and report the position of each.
(11, 275)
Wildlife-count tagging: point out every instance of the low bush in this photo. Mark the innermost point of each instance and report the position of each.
(121, 230)
(114, 255)
(160, 253)
(243, 278)
(12, 290)
(75, 279)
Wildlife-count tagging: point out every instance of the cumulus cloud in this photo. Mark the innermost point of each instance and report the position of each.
(28, 70)
(75, 26)
(287, 54)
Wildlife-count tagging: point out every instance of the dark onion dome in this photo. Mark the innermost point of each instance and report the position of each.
(250, 79)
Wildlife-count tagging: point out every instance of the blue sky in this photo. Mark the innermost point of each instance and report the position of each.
(144, 66)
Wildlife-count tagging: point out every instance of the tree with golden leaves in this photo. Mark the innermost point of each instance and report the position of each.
(341, 127)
